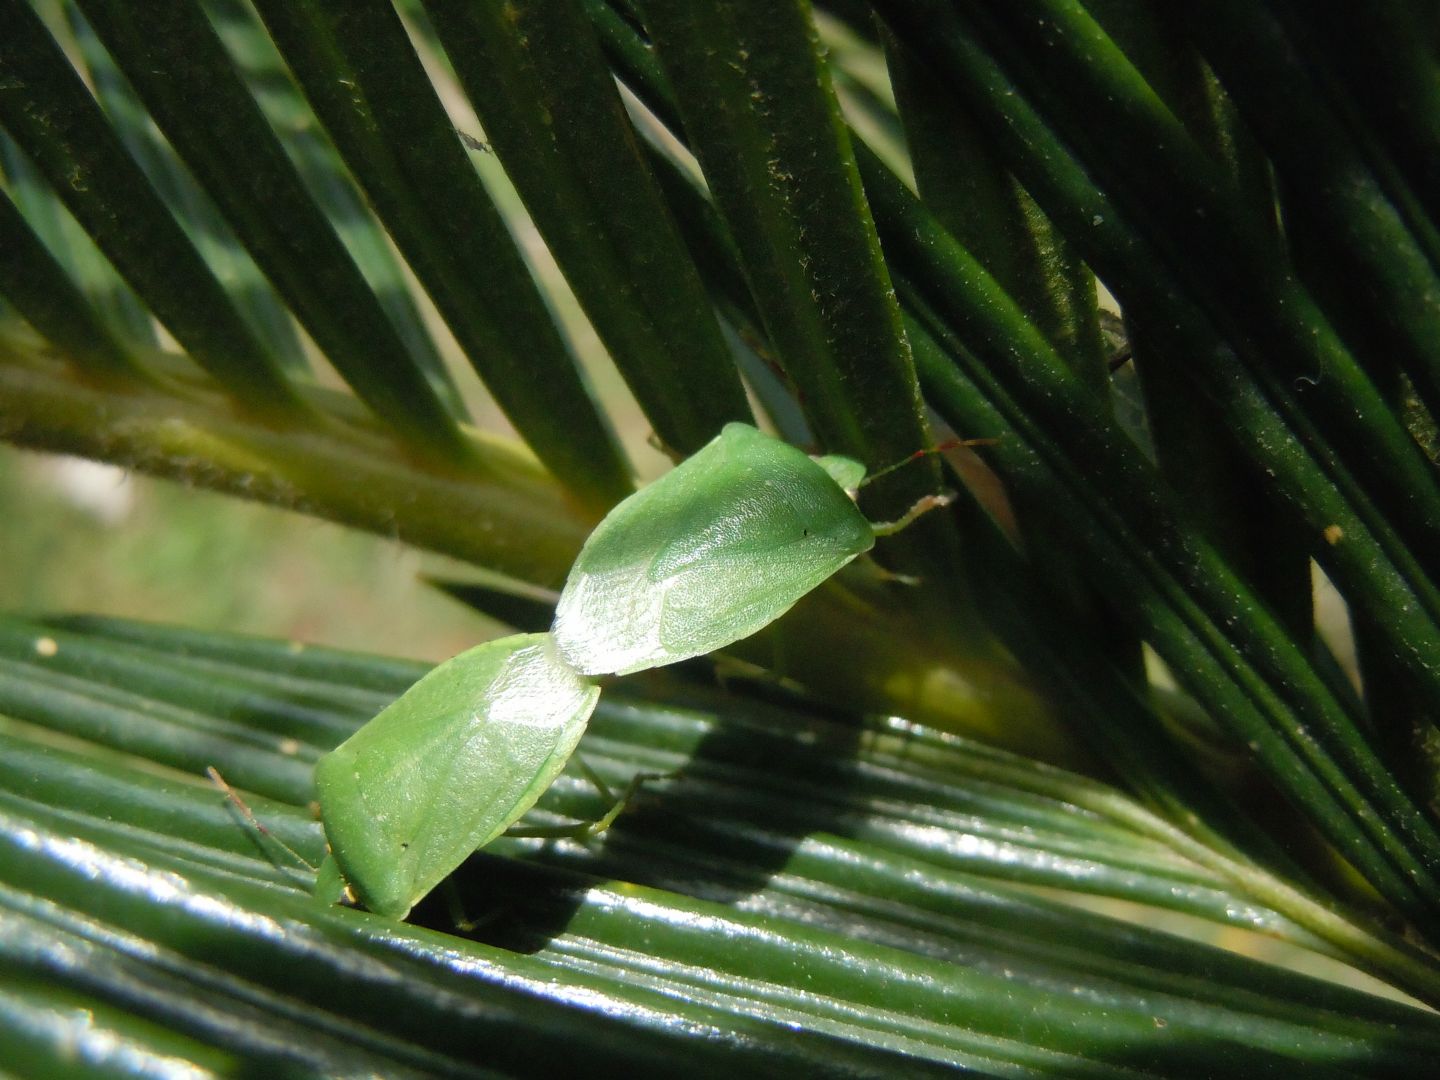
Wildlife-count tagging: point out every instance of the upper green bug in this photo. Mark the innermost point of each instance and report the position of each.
(713, 551)
(720, 547)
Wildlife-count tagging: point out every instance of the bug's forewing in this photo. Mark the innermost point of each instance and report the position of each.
(449, 766)
(712, 552)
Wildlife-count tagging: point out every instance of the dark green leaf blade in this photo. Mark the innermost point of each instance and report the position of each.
(961, 179)
(751, 87)
(1285, 456)
(253, 295)
(180, 69)
(53, 118)
(550, 108)
(1083, 416)
(361, 74)
(44, 295)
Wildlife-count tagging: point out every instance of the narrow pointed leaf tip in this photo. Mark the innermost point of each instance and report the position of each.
(715, 550)
(449, 766)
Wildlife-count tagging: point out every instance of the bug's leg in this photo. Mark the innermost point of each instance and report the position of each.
(884, 574)
(923, 506)
(657, 443)
(331, 887)
(731, 669)
(588, 830)
(455, 906)
(594, 778)
(239, 805)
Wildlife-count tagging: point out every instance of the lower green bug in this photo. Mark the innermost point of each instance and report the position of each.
(718, 548)
(449, 766)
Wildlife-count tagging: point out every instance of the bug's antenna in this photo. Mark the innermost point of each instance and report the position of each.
(939, 448)
(233, 797)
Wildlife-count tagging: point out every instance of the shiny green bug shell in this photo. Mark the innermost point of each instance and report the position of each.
(449, 766)
(719, 547)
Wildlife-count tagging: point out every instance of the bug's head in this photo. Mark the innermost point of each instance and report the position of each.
(847, 472)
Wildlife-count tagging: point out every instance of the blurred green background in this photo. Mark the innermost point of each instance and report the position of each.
(84, 537)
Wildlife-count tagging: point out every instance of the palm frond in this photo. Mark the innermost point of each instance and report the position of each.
(248, 248)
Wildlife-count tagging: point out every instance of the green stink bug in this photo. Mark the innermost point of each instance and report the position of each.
(712, 552)
(449, 766)
(718, 548)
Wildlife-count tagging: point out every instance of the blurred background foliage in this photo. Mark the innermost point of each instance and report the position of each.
(100, 540)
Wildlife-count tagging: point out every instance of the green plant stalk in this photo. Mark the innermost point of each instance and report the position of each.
(509, 517)
(503, 512)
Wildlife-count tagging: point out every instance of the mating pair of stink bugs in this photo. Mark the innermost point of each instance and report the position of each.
(718, 548)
